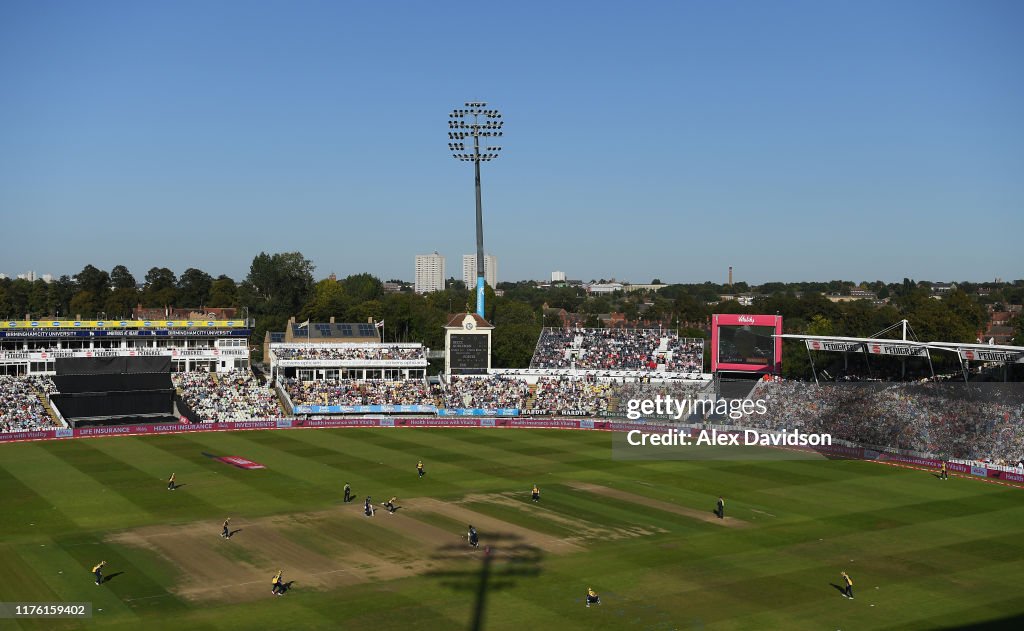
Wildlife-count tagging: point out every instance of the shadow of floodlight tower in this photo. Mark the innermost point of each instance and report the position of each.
(476, 122)
(502, 564)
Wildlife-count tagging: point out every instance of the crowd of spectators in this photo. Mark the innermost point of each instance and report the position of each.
(948, 420)
(564, 393)
(231, 396)
(617, 349)
(496, 391)
(21, 408)
(348, 353)
(351, 392)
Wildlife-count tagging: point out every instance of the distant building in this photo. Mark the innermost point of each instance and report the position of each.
(745, 300)
(557, 277)
(469, 270)
(629, 287)
(429, 273)
(941, 289)
(855, 294)
(604, 288)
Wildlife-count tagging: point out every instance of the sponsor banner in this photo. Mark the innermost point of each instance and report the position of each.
(586, 424)
(991, 356)
(118, 324)
(921, 462)
(284, 423)
(487, 422)
(979, 471)
(365, 409)
(543, 423)
(842, 347)
(357, 363)
(443, 422)
(1008, 476)
(64, 432)
(240, 462)
(61, 333)
(479, 412)
(42, 434)
(340, 422)
(897, 348)
(387, 422)
(40, 356)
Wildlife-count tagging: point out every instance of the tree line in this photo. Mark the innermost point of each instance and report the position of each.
(282, 285)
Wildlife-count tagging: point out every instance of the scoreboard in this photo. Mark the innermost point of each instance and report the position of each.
(468, 354)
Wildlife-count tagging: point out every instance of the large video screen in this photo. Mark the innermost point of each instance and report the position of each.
(744, 342)
(468, 354)
(747, 345)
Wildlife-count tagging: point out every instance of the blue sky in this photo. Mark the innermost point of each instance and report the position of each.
(792, 140)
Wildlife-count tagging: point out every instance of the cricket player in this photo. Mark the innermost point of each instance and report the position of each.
(592, 597)
(419, 469)
(849, 585)
(97, 571)
(474, 539)
(945, 473)
(720, 507)
(368, 507)
(348, 493)
(170, 483)
(390, 505)
(536, 493)
(277, 587)
(225, 530)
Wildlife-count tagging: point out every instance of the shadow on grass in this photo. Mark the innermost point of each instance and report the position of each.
(842, 590)
(500, 562)
(232, 533)
(110, 577)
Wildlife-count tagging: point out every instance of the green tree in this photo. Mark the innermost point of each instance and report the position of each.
(160, 289)
(38, 298)
(93, 280)
(820, 325)
(121, 278)
(280, 283)
(194, 288)
(362, 287)
(328, 299)
(223, 292)
(85, 304)
(121, 302)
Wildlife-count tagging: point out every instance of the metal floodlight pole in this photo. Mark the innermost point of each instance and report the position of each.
(459, 128)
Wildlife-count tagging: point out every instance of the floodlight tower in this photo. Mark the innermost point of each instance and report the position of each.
(463, 124)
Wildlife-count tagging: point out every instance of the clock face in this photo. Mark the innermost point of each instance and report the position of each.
(469, 326)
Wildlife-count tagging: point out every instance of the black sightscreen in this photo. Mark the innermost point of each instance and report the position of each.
(112, 365)
(113, 386)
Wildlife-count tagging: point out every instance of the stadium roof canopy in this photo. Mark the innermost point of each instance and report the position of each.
(905, 347)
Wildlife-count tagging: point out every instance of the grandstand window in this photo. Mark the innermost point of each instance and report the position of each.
(331, 373)
(373, 373)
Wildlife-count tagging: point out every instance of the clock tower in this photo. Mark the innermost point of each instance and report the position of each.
(467, 343)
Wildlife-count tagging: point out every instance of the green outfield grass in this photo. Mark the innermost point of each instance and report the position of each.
(924, 554)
